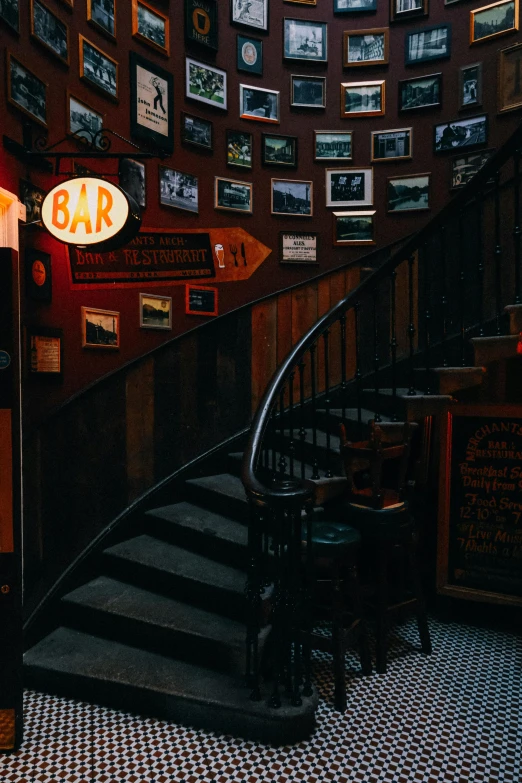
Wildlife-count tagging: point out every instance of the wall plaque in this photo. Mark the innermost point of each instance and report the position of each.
(201, 23)
(298, 247)
(45, 351)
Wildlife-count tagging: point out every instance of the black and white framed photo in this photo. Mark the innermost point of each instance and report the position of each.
(406, 9)
(26, 91)
(239, 149)
(178, 189)
(470, 86)
(394, 144)
(150, 26)
(205, 83)
(354, 6)
(292, 197)
(257, 103)
(10, 14)
(249, 55)
(362, 99)
(100, 329)
(32, 197)
(408, 194)
(102, 15)
(196, 131)
(298, 247)
(233, 195)
(308, 92)
(333, 145)
(366, 47)
(155, 311)
(250, 13)
(349, 187)
(468, 132)
(83, 121)
(430, 43)
(132, 180)
(422, 92)
(98, 69)
(354, 228)
(305, 40)
(152, 102)
(49, 30)
(201, 23)
(493, 20)
(279, 150)
(464, 167)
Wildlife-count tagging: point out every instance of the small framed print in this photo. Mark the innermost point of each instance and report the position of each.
(100, 329)
(83, 122)
(354, 6)
(201, 23)
(406, 9)
(10, 14)
(279, 150)
(353, 228)
(493, 20)
(98, 69)
(239, 149)
(152, 102)
(257, 103)
(32, 198)
(45, 352)
(233, 195)
(132, 180)
(201, 300)
(38, 275)
(408, 194)
(178, 189)
(305, 40)
(429, 43)
(50, 31)
(423, 92)
(155, 311)
(464, 167)
(249, 55)
(362, 99)
(308, 92)
(510, 78)
(468, 132)
(292, 197)
(196, 131)
(102, 15)
(26, 91)
(250, 14)
(349, 187)
(205, 83)
(150, 26)
(333, 145)
(365, 47)
(298, 247)
(392, 144)
(470, 86)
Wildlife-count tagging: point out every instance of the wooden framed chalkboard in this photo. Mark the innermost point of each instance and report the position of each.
(201, 300)
(480, 504)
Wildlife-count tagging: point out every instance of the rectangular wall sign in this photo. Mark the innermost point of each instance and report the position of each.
(201, 301)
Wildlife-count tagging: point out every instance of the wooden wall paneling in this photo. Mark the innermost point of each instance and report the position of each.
(352, 278)
(140, 428)
(264, 347)
(323, 305)
(284, 336)
(337, 285)
(233, 375)
(304, 315)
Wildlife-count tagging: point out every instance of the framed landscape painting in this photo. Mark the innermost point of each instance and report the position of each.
(100, 329)
(410, 193)
(155, 311)
(308, 91)
(422, 92)
(493, 20)
(354, 228)
(279, 150)
(150, 26)
(362, 99)
(510, 78)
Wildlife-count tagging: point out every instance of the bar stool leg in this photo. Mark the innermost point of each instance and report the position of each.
(382, 606)
(355, 592)
(420, 607)
(338, 643)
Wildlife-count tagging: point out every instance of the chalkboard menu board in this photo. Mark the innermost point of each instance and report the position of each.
(201, 300)
(480, 504)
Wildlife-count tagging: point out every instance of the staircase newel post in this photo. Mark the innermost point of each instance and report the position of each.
(517, 230)
(393, 341)
(411, 326)
(254, 589)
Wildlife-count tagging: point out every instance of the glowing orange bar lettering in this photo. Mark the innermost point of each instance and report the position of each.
(81, 213)
(102, 211)
(60, 201)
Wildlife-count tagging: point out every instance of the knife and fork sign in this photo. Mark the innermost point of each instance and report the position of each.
(233, 250)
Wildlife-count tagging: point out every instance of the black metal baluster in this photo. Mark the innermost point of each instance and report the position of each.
(498, 259)
(480, 262)
(377, 415)
(427, 316)
(462, 287)
(274, 438)
(253, 595)
(308, 615)
(358, 374)
(443, 298)
(517, 230)
(326, 341)
(295, 603)
(291, 447)
(282, 459)
(411, 326)
(393, 341)
(277, 607)
(315, 463)
(302, 431)
(342, 322)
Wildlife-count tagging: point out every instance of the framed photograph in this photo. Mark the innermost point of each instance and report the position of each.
(178, 189)
(250, 13)
(353, 228)
(152, 103)
(205, 83)
(470, 86)
(392, 144)
(132, 180)
(509, 78)
(468, 132)
(292, 197)
(464, 167)
(256, 103)
(38, 275)
(150, 26)
(298, 247)
(201, 300)
(232, 195)
(333, 145)
(365, 47)
(430, 43)
(98, 69)
(201, 23)
(405, 9)
(362, 99)
(26, 91)
(155, 312)
(102, 15)
(100, 329)
(239, 149)
(49, 30)
(45, 351)
(249, 55)
(349, 187)
(32, 197)
(354, 6)
(493, 20)
(408, 194)
(279, 150)
(10, 14)
(83, 121)
(305, 40)
(196, 131)
(423, 92)
(308, 92)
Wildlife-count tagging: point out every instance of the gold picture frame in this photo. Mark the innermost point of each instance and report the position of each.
(394, 144)
(509, 82)
(162, 33)
(38, 35)
(92, 8)
(356, 95)
(359, 228)
(106, 80)
(30, 101)
(362, 53)
(103, 331)
(479, 28)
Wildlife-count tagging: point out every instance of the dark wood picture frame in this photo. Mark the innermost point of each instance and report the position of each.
(163, 82)
(11, 20)
(188, 137)
(97, 24)
(364, 216)
(82, 43)
(249, 49)
(413, 102)
(44, 352)
(236, 141)
(11, 95)
(379, 140)
(396, 15)
(65, 58)
(409, 59)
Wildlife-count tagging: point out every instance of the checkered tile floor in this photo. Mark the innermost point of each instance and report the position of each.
(450, 718)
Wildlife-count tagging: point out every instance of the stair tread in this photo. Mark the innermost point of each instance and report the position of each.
(353, 414)
(201, 520)
(498, 338)
(223, 484)
(404, 393)
(452, 370)
(117, 598)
